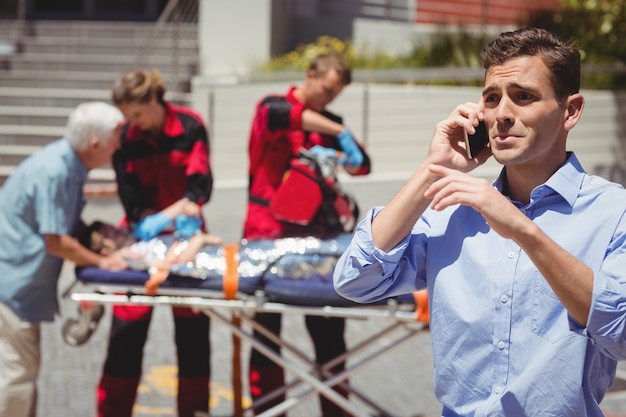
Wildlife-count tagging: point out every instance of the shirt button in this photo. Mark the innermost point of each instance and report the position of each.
(511, 255)
(504, 298)
(498, 390)
(501, 345)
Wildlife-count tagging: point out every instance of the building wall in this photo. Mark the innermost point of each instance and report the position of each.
(396, 124)
(467, 12)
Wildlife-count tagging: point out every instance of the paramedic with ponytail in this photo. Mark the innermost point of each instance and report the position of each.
(163, 162)
(282, 125)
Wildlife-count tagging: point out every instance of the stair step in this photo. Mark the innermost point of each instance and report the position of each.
(18, 150)
(16, 79)
(111, 46)
(186, 68)
(26, 136)
(35, 111)
(52, 131)
(100, 59)
(97, 29)
(34, 115)
(75, 93)
(91, 80)
(155, 50)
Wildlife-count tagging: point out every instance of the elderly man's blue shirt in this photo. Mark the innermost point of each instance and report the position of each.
(44, 195)
(503, 344)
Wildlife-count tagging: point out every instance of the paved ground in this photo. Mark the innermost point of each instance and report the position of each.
(401, 382)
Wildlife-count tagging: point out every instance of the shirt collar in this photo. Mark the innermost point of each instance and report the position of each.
(72, 158)
(291, 97)
(566, 181)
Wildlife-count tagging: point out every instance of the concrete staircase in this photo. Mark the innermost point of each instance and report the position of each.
(58, 64)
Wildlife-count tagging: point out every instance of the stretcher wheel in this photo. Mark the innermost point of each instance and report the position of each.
(77, 331)
(74, 334)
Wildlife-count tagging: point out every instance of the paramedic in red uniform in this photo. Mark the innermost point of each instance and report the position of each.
(281, 126)
(163, 160)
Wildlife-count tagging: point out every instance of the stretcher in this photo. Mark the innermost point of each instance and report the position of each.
(292, 275)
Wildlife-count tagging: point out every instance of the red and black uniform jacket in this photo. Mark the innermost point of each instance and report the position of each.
(153, 172)
(276, 136)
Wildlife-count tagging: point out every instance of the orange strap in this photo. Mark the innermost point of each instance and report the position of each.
(230, 283)
(421, 306)
(230, 280)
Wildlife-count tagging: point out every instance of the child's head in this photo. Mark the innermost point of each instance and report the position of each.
(104, 238)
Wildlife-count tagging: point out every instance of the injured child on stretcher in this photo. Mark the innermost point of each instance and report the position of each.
(203, 255)
(157, 256)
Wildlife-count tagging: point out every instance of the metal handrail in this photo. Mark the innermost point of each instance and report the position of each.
(175, 13)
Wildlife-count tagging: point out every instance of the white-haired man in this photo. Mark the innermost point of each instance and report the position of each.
(40, 208)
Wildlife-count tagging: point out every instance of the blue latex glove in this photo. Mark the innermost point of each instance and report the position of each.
(152, 225)
(186, 226)
(321, 153)
(352, 156)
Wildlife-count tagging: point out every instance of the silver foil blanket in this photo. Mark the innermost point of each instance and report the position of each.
(293, 258)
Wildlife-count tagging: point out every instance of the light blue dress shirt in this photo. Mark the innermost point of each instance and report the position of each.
(503, 344)
(44, 195)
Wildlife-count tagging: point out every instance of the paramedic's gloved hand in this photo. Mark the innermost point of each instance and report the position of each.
(321, 153)
(186, 226)
(352, 154)
(152, 225)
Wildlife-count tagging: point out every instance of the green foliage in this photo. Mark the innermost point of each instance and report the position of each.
(299, 58)
(447, 49)
(598, 28)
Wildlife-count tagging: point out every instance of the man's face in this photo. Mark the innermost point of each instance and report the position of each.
(146, 116)
(321, 90)
(106, 147)
(525, 121)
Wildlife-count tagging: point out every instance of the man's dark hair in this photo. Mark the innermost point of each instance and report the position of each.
(562, 58)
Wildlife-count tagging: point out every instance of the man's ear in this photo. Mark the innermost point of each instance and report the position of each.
(573, 110)
(94, 143)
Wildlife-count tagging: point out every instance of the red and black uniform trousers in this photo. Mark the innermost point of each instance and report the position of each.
(153, 172)
(117, 390)
(274, 139)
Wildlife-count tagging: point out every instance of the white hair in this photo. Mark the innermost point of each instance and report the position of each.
(91, 120)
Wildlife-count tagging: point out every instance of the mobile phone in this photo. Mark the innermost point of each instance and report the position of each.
(476, 142)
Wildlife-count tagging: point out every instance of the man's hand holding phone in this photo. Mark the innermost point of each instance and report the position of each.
(475, 143)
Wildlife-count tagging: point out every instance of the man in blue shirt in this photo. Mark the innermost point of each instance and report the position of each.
(526, 276)
(40, 207)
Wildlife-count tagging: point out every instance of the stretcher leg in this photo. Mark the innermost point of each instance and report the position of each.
(285, 363)
(324, 370)
(334, 379)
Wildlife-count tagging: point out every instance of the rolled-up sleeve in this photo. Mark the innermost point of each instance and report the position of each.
(365, 273)
(607, 318)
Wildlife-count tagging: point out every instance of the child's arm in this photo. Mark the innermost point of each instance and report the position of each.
(160, 270)
(196, 243)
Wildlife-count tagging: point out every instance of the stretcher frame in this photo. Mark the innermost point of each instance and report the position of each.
(92, 296)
